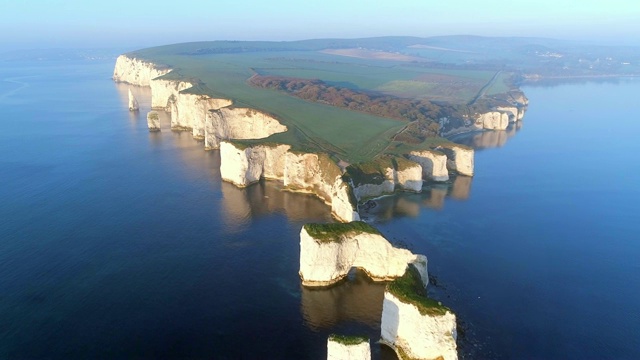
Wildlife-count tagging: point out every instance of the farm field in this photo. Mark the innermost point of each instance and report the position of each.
(454, 71)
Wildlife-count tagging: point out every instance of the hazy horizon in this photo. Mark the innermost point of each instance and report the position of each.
(76, 24)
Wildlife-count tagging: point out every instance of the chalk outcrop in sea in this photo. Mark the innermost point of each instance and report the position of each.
(348, 348)
(414, 325)
(434, 164)
(302, 172)
(133, 103)
(153, 121)
(384, 175)
(329, 251)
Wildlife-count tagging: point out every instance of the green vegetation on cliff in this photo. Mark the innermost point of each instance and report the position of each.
(410, 290)
(333, 232)
(348, 340)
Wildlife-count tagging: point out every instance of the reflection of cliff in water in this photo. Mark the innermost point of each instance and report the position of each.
(488, 138)
(267, 197)
(433, 196)
(358, 299)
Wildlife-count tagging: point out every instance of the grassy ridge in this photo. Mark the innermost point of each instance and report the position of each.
(222, 69)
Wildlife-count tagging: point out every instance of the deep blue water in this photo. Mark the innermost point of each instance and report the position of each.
(117, 242)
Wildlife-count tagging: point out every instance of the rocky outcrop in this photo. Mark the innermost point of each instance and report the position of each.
(493, 120)
(384, 175)
(164, 90)
(135, 71)
(153, 121)
(133, 103)
(191, 112)
(459, 158)
(312, 173)
(348, 348)
(415, 326)
(329, 251)
(224, 123)
(433, 163)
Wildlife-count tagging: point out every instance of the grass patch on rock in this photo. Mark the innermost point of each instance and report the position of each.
(410, 290)
(348, 340)
(333, 232)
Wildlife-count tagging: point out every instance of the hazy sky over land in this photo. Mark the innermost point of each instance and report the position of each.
(138, 23)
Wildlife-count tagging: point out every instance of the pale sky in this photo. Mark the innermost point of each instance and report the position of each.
(139, 23)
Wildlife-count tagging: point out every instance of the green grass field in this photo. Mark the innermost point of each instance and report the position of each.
(223, 69)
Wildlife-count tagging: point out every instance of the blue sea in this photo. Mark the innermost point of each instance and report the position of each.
(120, 243)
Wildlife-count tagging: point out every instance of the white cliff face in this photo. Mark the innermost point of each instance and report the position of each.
(135, 71)
(419, 336)
(133, 103)
(153, 121)
(190, 111)
(163, 90)
(339, 351)
(302, 172)
(409, 178)
(404, 175)
(459, 159)
(493, 120)
(513, 112)
(434, 164)
(326, 261)
(223, 123)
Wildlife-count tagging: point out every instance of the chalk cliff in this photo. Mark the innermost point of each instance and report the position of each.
(135, 71)
(329, 251)
(415, 326)
(348, 348)
(303, 172)
(226, 123)
(459, 158)
(133, 103)
(493, 120)
(384, 175)
(433, 163)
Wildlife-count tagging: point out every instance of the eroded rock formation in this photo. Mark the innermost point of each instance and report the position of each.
(302, 172)
(153, 121)
(329, 251)
(459, 158)
(383, 176)
(434, 164)
(415, 326)
(133, 103)
(136, 72)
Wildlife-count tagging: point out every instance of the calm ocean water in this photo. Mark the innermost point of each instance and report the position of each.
(115, 242)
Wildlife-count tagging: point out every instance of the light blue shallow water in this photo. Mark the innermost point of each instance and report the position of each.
(119, 243)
